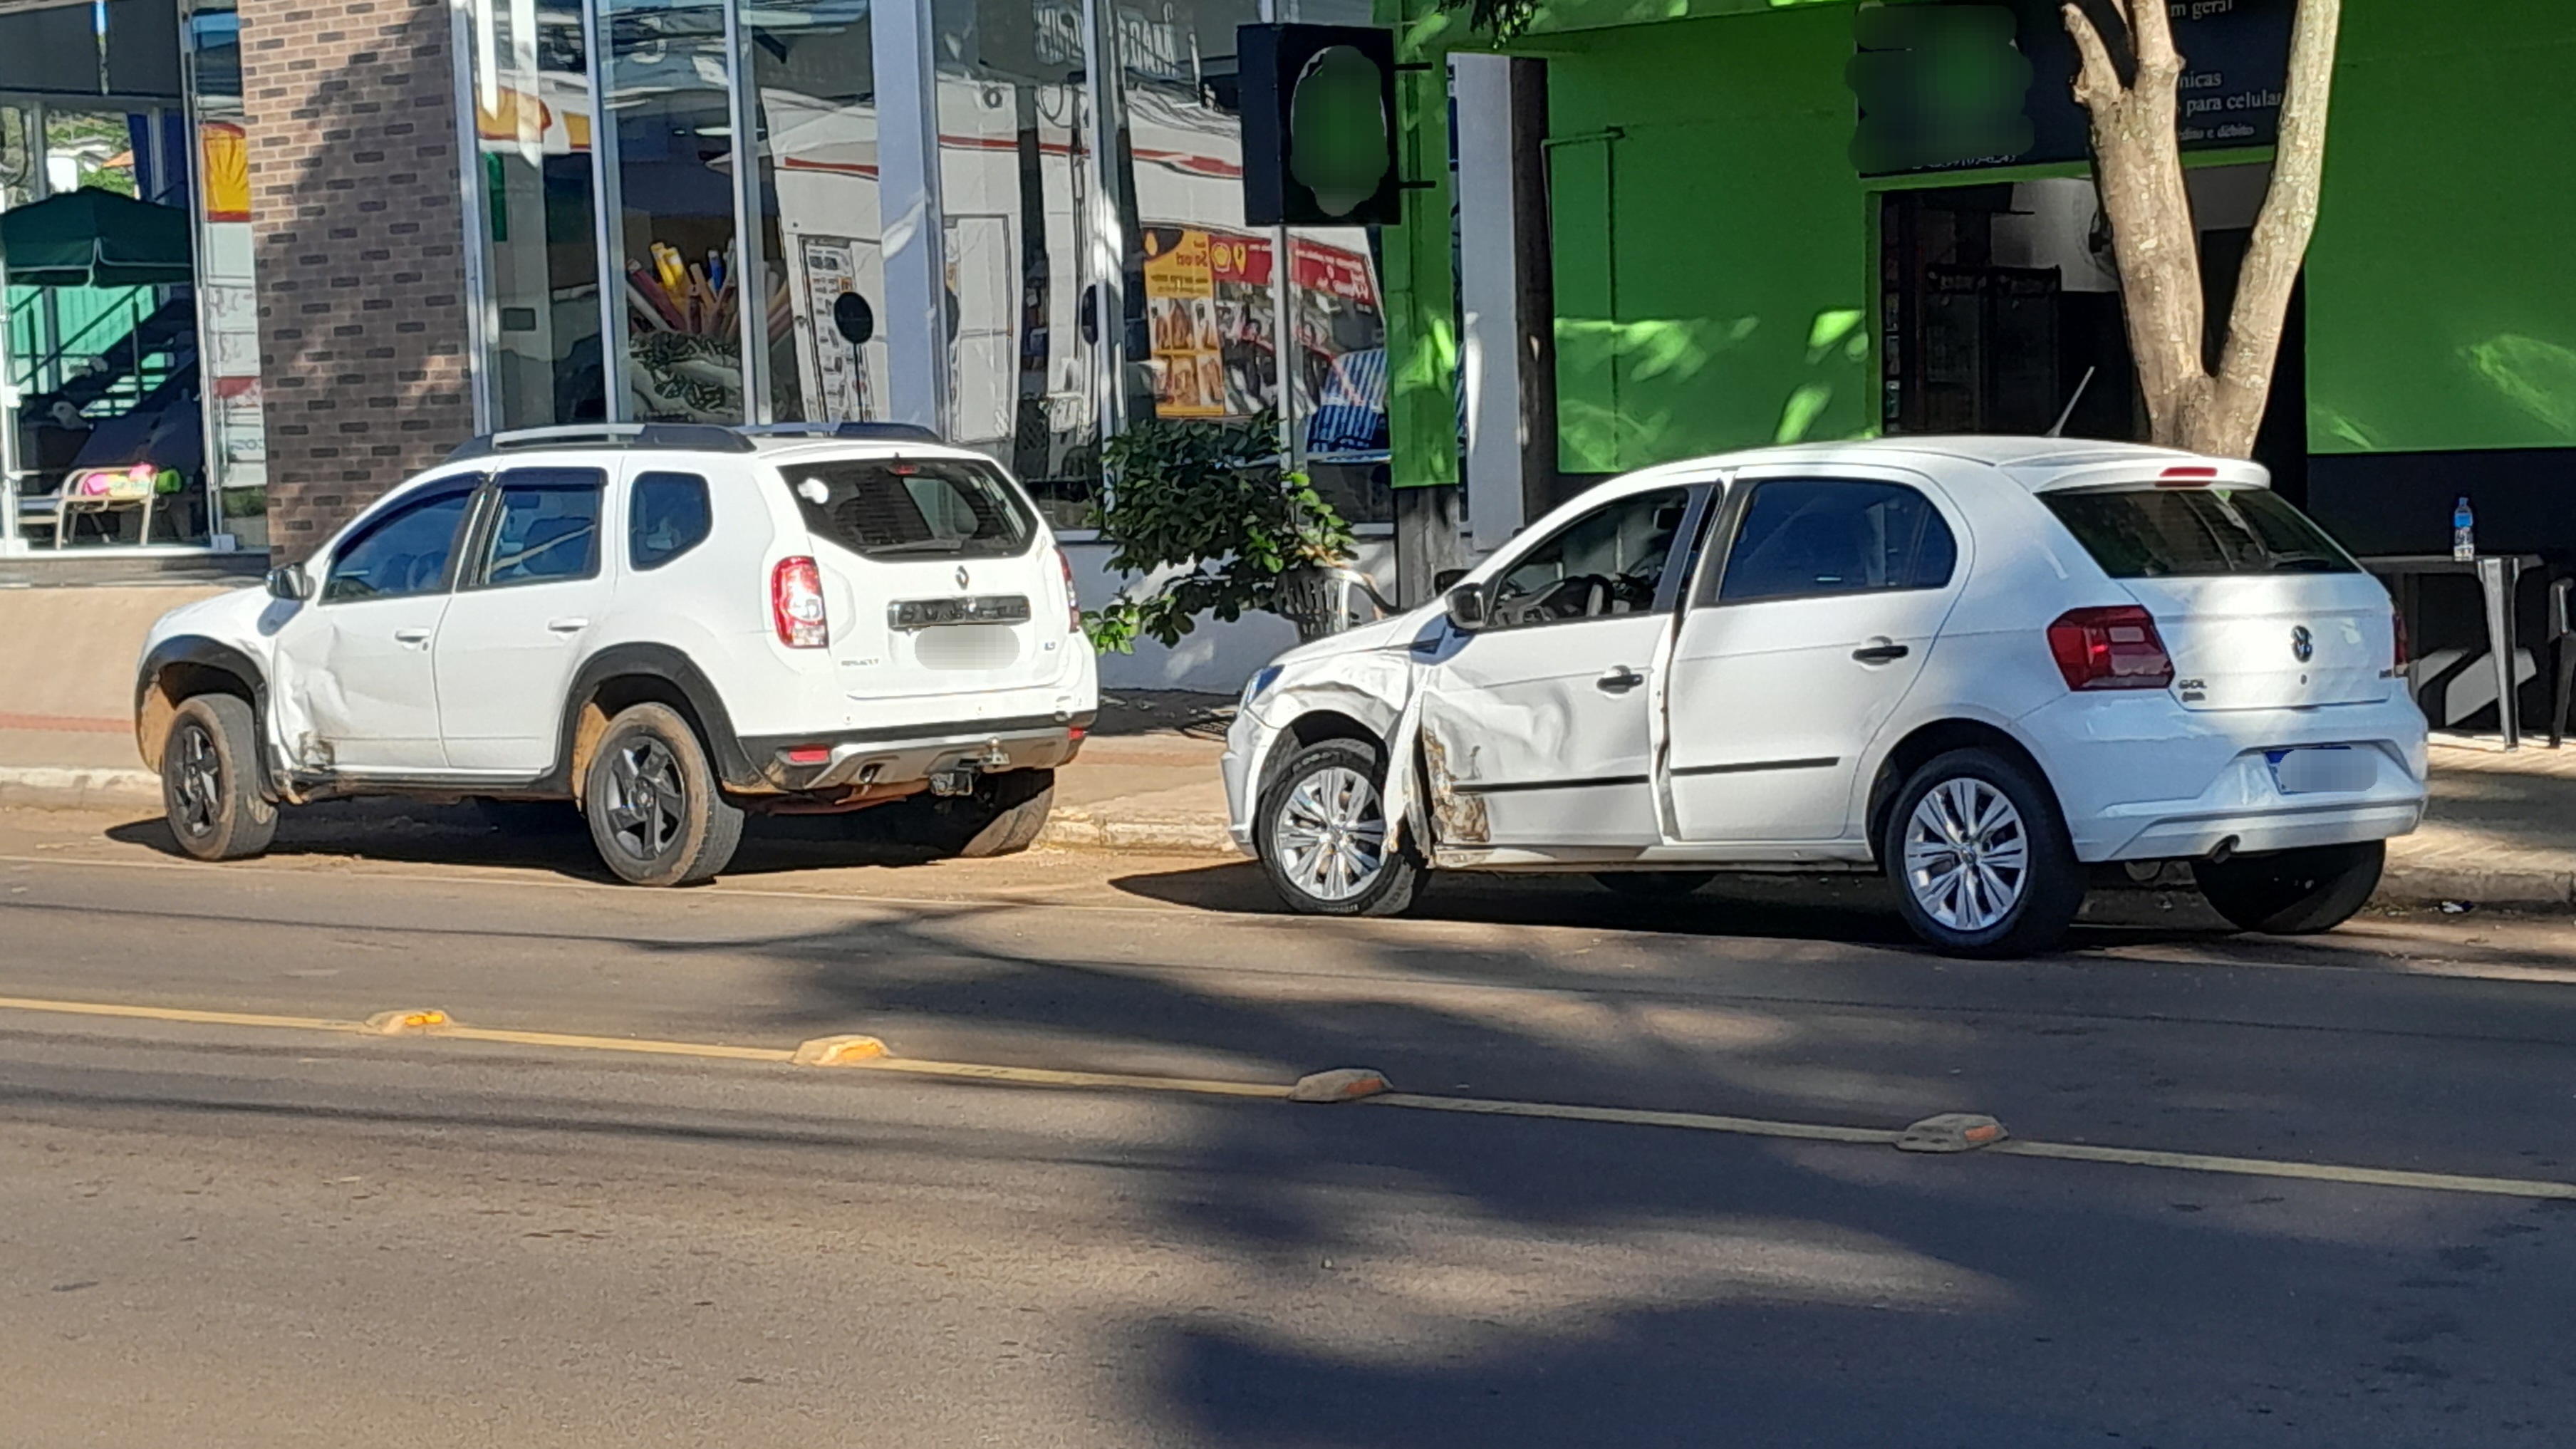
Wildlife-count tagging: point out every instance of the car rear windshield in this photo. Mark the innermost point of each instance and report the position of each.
(912, 507)
(2151, 533)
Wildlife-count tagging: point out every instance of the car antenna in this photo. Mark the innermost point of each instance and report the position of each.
(2059, 429)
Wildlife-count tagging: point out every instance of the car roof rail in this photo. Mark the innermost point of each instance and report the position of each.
(851, 432)
(689, 437)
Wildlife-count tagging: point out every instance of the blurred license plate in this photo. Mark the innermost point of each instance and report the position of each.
(2321, 772)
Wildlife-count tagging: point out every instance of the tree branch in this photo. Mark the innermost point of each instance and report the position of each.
(2151, 35)
(2097, 82)
(2289, 217)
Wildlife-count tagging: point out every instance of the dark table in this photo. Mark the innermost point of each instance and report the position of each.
(2500, 577)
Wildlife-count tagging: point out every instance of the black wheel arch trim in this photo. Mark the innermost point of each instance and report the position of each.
(661, 662)
(213, 654)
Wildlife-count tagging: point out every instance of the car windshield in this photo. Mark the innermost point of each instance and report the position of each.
(913, 507)
(2147, 533)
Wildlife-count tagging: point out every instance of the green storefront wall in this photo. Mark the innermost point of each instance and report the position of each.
(1716, 253)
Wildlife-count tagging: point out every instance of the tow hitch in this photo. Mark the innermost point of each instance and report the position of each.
(958, 777)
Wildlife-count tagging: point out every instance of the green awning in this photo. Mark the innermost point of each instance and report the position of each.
(94, 238)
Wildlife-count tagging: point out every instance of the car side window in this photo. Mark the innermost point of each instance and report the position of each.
(1609, 561)
(667, 514)
(406, 550)
(545, 528)
(1817, 537)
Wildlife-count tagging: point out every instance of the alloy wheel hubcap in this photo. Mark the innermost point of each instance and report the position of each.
(645, 799)
(1331, 835)
(1967, 855)
(199, 781)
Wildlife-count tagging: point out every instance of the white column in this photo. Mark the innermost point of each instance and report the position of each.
(916, 240)
(1489, 295)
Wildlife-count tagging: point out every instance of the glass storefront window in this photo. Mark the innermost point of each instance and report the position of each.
(823, 289)
(237, 427)
(672, 253)
(533, 120)
(1015, 126)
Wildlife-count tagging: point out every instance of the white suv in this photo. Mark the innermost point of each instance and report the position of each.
(670, 625)
(1981, 665)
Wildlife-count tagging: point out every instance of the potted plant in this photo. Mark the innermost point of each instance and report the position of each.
(1204, 518)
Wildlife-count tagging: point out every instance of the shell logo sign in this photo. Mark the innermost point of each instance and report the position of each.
(227, 153)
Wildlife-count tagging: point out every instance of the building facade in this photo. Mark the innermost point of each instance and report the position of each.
(1018, 222)
(1729, 259)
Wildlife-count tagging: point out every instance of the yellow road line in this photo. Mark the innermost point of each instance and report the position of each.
(174, 1013)
(2305, 1171)
(1472, 1106)
(1636, 1117)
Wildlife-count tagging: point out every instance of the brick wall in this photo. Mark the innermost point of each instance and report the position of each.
(358, 226)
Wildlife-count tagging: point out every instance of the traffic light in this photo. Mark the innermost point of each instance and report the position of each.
(1318, 125)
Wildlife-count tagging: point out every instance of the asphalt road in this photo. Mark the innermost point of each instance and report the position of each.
(263, 1235)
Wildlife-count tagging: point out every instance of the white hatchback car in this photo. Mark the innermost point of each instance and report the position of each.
(669, 625)
(1981, 665)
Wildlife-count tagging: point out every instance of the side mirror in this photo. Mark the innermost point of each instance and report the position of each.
(290, 582)
(1466, 605)
(1447, 579)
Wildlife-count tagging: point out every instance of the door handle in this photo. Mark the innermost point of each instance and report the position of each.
(414, 637)
(567, 626)
(1881, 651)
(1619, 680)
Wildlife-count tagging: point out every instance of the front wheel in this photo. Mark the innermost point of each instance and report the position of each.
(656, 810)
(210, 780)
(1324, 838)
(1981, 859)
(2293, 892)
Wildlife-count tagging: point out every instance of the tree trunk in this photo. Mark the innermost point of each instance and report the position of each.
(2137, 149)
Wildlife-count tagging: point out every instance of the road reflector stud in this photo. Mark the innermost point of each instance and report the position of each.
(839, 1051)
(1343, 1084)
(1952, 1132)
(404, 1023)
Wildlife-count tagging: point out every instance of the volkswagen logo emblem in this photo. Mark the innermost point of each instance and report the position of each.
(2303, 644)
(962, 581)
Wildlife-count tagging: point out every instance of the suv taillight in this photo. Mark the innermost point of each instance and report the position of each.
(2398, 619)
(2115, 648)
(796, 604)
(1072, 605)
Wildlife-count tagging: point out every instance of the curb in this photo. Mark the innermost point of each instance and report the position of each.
(2431, 885)
(1081, 830)
(54, 789)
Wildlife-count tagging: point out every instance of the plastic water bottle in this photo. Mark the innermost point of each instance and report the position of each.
(2464, 533)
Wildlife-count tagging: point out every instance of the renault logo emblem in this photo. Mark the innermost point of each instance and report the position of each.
(962, 581)
(2303, 644)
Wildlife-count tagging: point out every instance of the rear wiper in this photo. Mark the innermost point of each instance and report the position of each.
(2304, 562)
(926, 545)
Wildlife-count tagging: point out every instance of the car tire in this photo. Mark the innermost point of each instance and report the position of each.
(1002, 816)
(657, 812)
(2293, 892)
(1322, 834)
(2012, 884)
(210, 780)
(1654, 885)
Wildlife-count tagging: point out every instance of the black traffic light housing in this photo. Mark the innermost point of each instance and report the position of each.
(1319, 133)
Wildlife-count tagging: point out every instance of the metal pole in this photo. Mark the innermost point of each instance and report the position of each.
(750, 264)
(1284, 350)
(2497, 577)
(608, 217)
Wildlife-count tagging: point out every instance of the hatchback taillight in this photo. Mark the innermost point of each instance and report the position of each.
(796, 604)
(2114, 648)
(1072, 605)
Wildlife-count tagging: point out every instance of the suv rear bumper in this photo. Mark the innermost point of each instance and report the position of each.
(859, 758)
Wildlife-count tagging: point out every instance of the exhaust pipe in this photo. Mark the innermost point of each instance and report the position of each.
(2225, 849)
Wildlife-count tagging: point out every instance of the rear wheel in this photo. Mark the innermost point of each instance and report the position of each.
(1324, 838)
(656, 811)
(1654, 884)
(1002, 815)
(210, 780)
(2293, 892)
(1981, 859)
